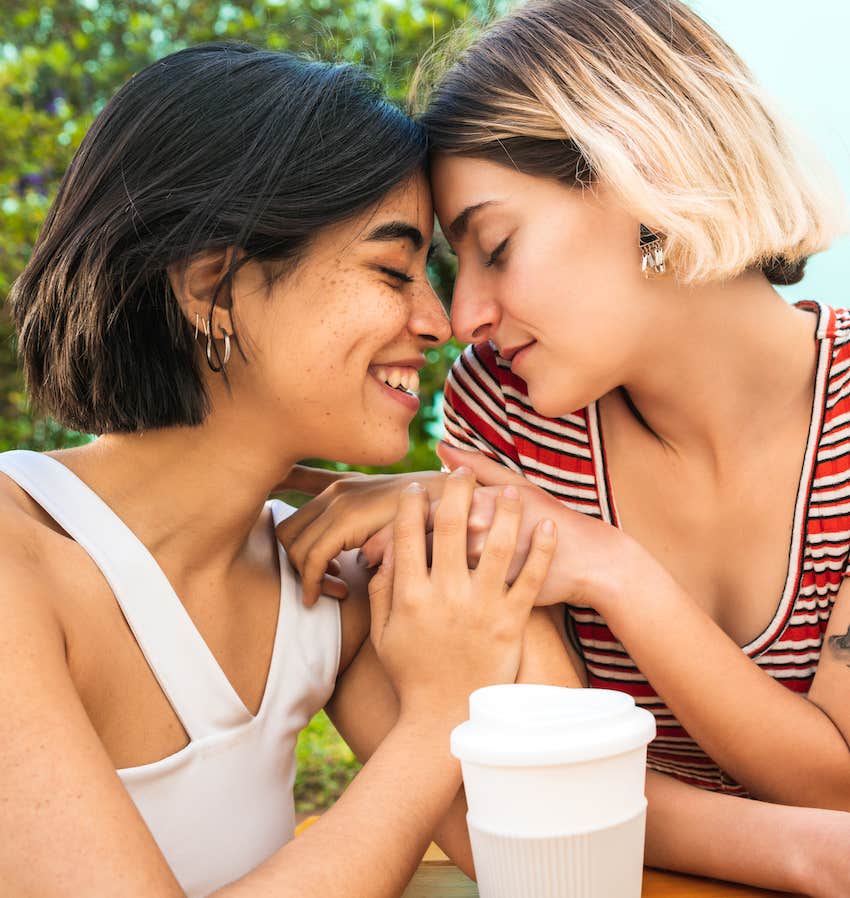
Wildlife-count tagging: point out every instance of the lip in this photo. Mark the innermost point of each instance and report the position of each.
(408, 400)
(511, 353)
(417, 362)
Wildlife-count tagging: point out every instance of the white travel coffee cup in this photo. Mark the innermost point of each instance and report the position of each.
(554, 780)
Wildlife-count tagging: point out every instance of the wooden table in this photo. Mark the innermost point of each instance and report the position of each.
(437, 877)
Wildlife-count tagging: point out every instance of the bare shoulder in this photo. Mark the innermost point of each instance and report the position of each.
(354, 611)
(31, 553)
(28, 621)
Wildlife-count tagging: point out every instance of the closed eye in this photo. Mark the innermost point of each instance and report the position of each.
(494, 256)
(399, 275)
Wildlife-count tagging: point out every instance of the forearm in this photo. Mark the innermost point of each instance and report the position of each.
(775, 742)
(545, 659)
(310, 480)
(371, 841)
(771, 846)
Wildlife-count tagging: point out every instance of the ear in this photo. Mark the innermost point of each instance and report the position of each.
(195, 283)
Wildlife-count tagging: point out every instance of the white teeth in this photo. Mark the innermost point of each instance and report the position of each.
(404, 378)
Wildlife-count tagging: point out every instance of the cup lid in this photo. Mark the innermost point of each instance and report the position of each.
(519, 724)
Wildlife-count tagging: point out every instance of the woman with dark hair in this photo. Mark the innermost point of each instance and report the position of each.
(231, 278)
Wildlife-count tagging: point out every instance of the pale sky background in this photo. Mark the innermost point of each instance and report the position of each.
(800, 51)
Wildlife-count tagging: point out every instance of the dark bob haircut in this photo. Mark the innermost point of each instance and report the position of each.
(219, 145)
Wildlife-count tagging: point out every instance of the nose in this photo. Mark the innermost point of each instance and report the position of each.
(428, 320)
(474, 313)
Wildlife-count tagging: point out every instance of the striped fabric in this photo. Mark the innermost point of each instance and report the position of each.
(487, 408)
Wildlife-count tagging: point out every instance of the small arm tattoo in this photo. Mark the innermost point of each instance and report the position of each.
(840, 646)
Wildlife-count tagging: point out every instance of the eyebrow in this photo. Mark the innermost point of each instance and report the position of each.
(398, 230)
(458, 227)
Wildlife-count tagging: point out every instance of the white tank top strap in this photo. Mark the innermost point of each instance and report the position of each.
(313, 639)
(187, 671)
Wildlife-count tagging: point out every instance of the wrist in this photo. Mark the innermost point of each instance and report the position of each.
(430, 717)
(609, 587)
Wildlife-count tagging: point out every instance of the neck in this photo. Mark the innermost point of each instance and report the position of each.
(192, 495)
(727, 362)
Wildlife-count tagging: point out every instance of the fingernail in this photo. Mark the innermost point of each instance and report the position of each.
(362, 560)
(462, 471)
(414, 487)
(510, 492)
(547, 527)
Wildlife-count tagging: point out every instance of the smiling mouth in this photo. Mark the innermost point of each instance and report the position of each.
(405, 380)
(510, 354)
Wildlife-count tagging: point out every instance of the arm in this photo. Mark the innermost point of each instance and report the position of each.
(310, 480)
(439, 634)
(377, 832)
(782, 746)
(364, 708)
(69, 827)
(703, 833)
(770, 846)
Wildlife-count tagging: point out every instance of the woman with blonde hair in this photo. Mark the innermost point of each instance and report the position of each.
(622, 201)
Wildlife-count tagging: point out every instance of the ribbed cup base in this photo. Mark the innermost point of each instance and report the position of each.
(606, 863)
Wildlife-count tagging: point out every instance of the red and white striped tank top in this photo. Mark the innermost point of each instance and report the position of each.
(487, 408)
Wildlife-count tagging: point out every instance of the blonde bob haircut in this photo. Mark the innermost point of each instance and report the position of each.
(645, 99)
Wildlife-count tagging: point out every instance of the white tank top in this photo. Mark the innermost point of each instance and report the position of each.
(224, 803)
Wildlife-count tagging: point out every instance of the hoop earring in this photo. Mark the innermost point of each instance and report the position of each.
(224, 360)
(652, 252)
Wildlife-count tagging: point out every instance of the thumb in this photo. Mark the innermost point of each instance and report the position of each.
(486, 471)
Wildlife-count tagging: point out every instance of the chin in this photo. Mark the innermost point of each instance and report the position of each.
(548, 405)
(552, 405)
(376, 453)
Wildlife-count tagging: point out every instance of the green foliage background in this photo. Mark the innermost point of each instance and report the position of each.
(60, 60)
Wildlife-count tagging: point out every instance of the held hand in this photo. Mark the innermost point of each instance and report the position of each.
(444, 632)
(486, 471)
(344, 516)
(594, 562)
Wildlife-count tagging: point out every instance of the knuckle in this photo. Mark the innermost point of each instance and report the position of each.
(527, 587)
(504, 631)
(447, 525)
(405, 530)
(500, 550)
(295, 555)
(312, 572)
(479, 520)
(337, 505)
(332, 490)
(508, 505)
